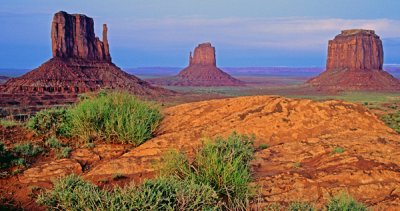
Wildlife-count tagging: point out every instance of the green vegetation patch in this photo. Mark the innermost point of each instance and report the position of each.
(223, 164)
(55, 121)
(73, 193)
(107, 116)
(218, 179)
(115, 116)
(8, 123)
(344, 202)
(392, 120)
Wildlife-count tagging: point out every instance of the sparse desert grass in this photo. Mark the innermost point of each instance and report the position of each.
(108, 116)
(55, 121)
(218, 179)
(300, 206)
(344, 202)
(27, 149)
(223, 165)
(17, 155)
(114, 116)
(392, 120)
(61, 150)
(8, 123)
(73, 193)
(338, 150)
(264, 146)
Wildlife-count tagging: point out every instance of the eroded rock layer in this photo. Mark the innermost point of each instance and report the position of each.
(355, 61)
(202, 71)
(300, 162)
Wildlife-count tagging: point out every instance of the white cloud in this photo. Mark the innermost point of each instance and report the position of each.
(295, 33)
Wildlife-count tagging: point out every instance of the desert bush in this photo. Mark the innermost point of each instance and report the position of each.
(114, 116)
(8, 123)
(54, 121)
(392, 120)
(344, 202)
(73, 193)
(54, 143)
(27, 149)
(223, 164)
(337, 150)
(5, 156)
(300, 206)
(63, 152)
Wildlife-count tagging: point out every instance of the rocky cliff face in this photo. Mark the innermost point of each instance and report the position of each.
(355, 61)
(355, 50)
(72, 36)
(81, 63)
(202, 71)
(204, 54)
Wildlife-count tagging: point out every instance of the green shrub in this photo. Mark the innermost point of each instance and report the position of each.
(392, 120)
(54, 143)
(114, 116)
(337, 150)
(300, 206)
(223, 165)
(54, 121)
(63, 152)
(6, 156)
(344, 202)
(27, 149)
(73, 193)
(8, 123)
(264, 146)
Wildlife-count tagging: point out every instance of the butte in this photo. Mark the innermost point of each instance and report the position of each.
(202, 71)
(81, 63)
(355, 61)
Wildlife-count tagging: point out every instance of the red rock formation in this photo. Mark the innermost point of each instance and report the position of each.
(72, 36)
(202, 71)
(355, 61)
(81, 63)
(3, 79)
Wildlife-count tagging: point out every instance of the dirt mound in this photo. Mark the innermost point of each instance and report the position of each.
(202, 71)
(355, 61)
(305, 159)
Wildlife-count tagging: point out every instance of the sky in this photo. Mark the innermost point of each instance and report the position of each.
(246, 33)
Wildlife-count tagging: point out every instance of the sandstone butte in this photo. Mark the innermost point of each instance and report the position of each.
(202, 71)
(299, 164)
(355, 61)
(81, 63)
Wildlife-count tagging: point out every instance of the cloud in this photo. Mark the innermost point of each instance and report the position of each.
(295, 33)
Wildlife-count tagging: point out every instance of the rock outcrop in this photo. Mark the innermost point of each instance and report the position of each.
(72, 36)
(202, 71)
(300, 162)
(355, 61)
(81, 63)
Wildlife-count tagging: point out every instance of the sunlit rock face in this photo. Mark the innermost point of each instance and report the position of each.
(355, 61)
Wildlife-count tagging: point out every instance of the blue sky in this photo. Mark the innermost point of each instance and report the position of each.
(162, 32)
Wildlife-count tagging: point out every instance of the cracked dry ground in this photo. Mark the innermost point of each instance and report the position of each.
(300, 162)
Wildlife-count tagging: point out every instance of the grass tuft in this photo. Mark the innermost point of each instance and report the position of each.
(344, 202)
(114, 116)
